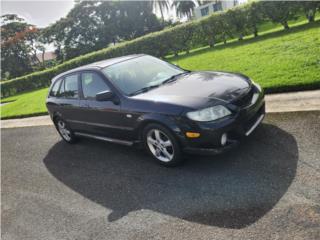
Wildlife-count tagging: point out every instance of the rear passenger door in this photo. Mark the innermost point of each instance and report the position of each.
(69, 104)
(99, 117)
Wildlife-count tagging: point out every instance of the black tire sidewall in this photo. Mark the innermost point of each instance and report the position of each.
(177, 158)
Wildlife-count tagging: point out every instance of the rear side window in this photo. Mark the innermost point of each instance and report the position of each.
(92, 84)
(55, 88)
(70, 87)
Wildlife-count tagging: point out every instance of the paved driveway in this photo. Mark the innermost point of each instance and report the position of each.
(268, 188)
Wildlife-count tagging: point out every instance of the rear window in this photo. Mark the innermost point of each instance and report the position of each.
(70, 86)
(55, 88)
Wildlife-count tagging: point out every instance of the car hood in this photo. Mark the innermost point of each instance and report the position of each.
(199, 89)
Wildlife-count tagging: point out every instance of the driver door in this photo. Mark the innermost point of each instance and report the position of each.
(101, 118)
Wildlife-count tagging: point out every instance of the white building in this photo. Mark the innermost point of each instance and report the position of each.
(214, 6)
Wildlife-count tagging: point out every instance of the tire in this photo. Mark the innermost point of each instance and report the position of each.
(64, 131)
(162, 145)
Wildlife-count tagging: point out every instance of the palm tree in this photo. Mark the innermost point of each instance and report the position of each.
(162, 6)
(183, 8)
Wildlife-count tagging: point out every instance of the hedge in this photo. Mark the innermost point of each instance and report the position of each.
(208, 31)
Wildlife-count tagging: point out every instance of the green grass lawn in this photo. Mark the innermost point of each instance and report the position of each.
(24, 105)
(279, 61)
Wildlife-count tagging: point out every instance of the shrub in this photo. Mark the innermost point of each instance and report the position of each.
(215, 28)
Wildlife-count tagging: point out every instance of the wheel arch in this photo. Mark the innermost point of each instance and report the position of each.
(55, 116)
(165, 121)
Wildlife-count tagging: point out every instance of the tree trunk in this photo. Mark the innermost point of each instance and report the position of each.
(285, 25)
(43, 52)
(224, 39)
(311, 18)
(310, 14)
(162, 17)
(255, 31)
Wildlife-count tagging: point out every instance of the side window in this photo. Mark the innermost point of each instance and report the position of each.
(71, 86)
(55, 88)
(61, 89)
(92, 84)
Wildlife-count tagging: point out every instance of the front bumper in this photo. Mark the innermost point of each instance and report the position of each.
(239, 125)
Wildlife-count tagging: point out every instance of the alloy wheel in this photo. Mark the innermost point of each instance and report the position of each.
(65, 133)
(160, 145)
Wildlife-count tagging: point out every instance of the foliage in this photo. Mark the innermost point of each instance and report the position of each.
(255, 17)
(310, 8)
(211, 30)
(162, 6)
(215, 29)
(93, 25)
(237, 18)
(20, 43)
(280, 11)
(14, 48)
(184, 8)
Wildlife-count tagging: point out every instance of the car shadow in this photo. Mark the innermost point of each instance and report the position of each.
(232, 190)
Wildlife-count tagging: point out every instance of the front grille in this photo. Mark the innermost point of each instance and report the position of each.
(245, 99)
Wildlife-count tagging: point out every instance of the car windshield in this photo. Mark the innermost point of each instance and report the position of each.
(141, 74)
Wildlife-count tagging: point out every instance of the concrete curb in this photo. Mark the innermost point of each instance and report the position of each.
(275, 103)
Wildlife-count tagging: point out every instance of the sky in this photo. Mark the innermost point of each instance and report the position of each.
(37, 12)
(41, 12)
(44, 12)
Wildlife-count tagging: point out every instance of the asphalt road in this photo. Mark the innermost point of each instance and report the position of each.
(268, 188)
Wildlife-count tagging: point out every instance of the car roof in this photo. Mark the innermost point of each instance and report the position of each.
(99, 65)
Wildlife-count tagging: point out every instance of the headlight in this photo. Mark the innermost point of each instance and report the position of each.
(209, 114)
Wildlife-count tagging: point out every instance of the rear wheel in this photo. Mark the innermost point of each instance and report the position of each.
(65, 131)
(162, 145)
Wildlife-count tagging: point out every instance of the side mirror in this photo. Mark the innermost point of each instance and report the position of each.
(104, 96)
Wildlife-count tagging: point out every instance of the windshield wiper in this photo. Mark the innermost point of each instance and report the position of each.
(144, 89)
(173, 78)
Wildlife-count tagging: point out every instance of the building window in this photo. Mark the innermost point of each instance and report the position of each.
(204, 11)
(217, 6)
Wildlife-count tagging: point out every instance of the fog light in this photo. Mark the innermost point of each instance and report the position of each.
(224, 139)
(192, 134)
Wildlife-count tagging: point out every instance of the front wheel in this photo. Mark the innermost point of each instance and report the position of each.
(64, 131)
(162, 145)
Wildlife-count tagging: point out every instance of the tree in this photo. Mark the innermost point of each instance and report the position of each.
(310, 9)
(162, 6)
(255, 17)
(279, 11)
(238, 19)
(93, 25)
(183, 8)
(15, 48)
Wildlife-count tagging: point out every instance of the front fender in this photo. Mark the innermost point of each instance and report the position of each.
(167, 121)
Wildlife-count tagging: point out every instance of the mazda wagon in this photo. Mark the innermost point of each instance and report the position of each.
(144, 101)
